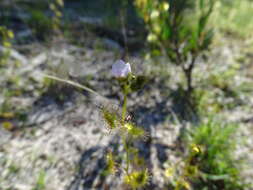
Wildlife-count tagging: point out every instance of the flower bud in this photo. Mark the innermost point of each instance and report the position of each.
(151, 38)
(154, 14)
(165, 6)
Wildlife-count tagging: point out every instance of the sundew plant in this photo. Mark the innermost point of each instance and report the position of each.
(178, 29)
(133, 169)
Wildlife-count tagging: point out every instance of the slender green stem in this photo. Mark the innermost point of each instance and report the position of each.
(124, 111)
(124, 108)
(127, 155)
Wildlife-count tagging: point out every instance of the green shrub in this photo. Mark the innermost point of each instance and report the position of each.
(179, 29)
(216, 163)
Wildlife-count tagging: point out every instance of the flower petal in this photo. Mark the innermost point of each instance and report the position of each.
(121, 69)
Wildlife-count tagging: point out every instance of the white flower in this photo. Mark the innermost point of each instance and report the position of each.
(120, 69)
